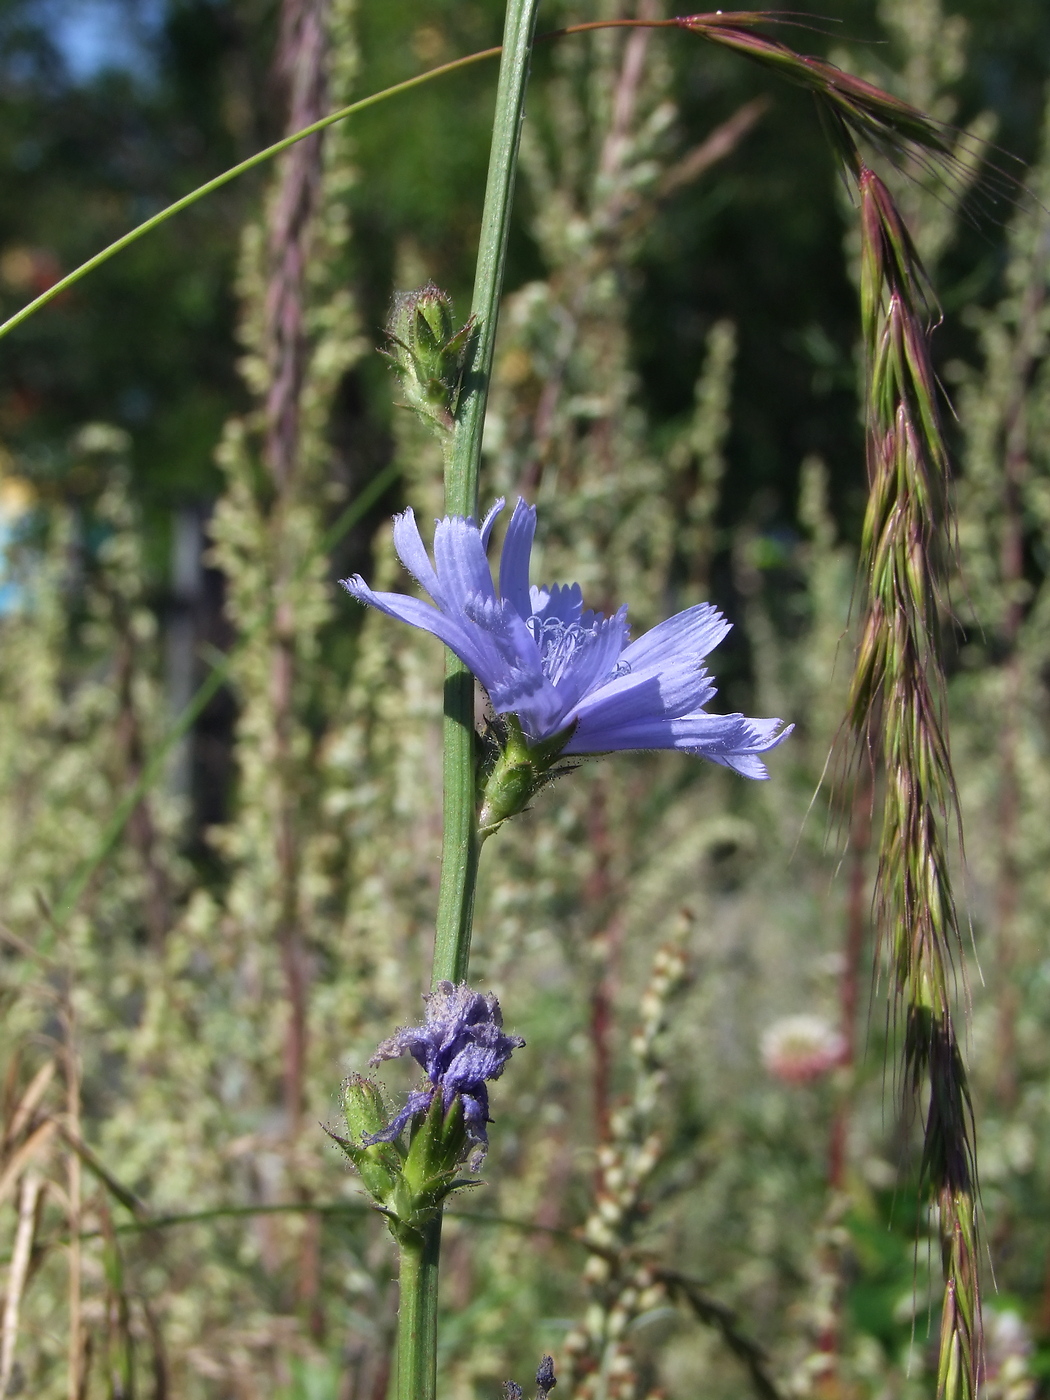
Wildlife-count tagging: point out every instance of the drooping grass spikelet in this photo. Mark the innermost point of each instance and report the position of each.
(856, 113)
(896, 699)
(897, 694)
(850, 107)
(896, 713)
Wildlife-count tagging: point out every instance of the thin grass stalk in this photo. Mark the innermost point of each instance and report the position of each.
(856, 105)
(226, 176)
(75, 1365)
(18, 1273)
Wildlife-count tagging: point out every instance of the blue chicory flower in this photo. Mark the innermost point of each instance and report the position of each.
(555, 666)
(461, 1047)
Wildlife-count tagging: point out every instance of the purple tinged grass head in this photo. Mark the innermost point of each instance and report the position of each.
(899, 720)
(558, 668)
(461, 1047)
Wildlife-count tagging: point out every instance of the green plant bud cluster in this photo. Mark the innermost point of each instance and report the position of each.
(410, 1181)
(427, 353)
(512, 772)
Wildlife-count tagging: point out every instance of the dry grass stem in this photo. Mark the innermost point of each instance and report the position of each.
(17, 1274)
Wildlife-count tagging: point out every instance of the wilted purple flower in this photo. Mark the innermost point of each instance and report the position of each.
(545, 1382)
(541, 657)
(545, 1377)
(461, 1046)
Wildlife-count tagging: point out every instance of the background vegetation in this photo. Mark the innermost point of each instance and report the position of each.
(197, 948)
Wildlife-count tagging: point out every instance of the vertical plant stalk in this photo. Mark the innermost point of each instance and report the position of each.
(417, 1315)
(857, 922)
(897, 715)
(459, 853)
(300, 65)
(1016, 470)
(602, 948)
(418, 1275)
(74, 1380)
(142, 829)
(18, 1273)
(300, 72)
(300, 68)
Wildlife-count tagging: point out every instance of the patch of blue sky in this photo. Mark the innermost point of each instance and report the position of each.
(12, 594)
(95, 37)
(16, 503)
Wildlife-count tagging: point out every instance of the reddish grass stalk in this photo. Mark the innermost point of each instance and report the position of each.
(858, 921)
(602, 948)
(1011, 565)
(76, 1368)
(301, 70)
(300, 66)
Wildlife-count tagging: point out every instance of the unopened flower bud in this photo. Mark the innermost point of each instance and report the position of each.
(545, 1382)
(378, 1164)
(363, 1107)
(427, 353)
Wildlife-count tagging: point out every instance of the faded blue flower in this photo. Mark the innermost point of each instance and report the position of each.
(544, 659)
(461, 1046)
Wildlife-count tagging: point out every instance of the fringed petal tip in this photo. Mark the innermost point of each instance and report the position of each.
(490, 520)
(763, 735)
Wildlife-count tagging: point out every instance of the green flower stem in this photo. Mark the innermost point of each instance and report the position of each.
(417, 1313)
(459, 855)
(461, 478)
(417, 1317)
(460, 847)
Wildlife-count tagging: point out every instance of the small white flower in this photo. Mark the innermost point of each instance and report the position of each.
(797, 1049)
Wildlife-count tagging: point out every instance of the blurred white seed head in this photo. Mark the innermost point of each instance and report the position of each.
(798, 1049)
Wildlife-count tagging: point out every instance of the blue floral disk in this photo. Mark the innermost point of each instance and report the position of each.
(555, 666)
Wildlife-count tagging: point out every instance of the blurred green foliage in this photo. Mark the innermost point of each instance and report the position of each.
(676, 388)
